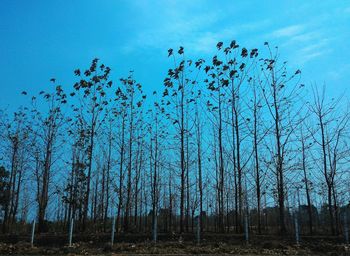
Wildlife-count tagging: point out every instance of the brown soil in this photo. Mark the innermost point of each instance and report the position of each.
(139, 244)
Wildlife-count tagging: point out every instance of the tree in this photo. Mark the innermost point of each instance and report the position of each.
(199, 160)
(281, 91)
(92, 91)
(133, 96)
(4, 193)
(177, 92)
(304, 148)
(329, 135)
(16, 138)
(46, 131)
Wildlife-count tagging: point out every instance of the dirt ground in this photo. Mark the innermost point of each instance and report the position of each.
(135, 244)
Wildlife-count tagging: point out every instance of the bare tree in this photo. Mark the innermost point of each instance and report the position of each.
(16, 137)
(92, 87)
(177, 97)
(281, 92)
(46, 133)
(329, 136)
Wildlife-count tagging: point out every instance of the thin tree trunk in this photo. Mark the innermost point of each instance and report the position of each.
(306, 181)
(120, 194)
(200, 182)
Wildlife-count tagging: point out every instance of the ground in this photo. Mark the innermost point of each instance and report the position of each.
(139, 244)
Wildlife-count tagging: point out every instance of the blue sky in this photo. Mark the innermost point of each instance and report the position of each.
(44, 39)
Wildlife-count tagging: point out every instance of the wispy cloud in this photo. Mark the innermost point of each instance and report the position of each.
(306, 37)
(288, 31)
(315, 46)
(173, 29)
(305, 42)
(339, 73)
(194, 26)
(199, 27)
(303, 58)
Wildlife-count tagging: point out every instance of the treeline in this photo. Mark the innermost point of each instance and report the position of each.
(229, 142)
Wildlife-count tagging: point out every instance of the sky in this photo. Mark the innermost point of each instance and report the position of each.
(41, 39)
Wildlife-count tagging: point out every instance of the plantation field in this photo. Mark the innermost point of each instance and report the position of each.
(140, 244)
